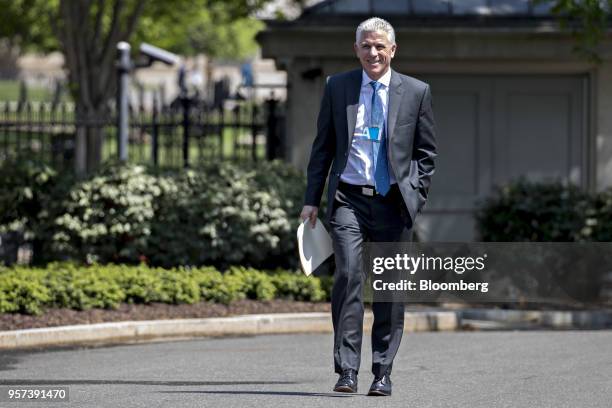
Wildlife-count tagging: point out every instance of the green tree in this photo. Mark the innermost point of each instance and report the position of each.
(87, 32)
(20, 28)
(588, 20)
(216, 29)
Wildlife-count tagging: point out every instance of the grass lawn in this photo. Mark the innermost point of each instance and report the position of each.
(9, 91)
(36, 130)
(236, 144)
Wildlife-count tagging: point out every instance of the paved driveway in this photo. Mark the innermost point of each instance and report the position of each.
(456, 369)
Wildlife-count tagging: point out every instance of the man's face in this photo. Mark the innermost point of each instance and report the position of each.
(375, 53)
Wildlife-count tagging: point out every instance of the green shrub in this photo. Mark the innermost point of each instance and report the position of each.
(91, 290)
(253, 284)
(22, 187)
(22, 292)
(217, 287)
(525, 211)
(545, 212)
(29, 193)
(82, 288)
(179, 286)
(218, 214)
(68, 285)
(298, 287)
(598, 218)
(107, 217)
(138, 284)
(284, 182)
(59, 279)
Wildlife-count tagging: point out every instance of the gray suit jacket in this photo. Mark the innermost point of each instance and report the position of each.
(411, 138)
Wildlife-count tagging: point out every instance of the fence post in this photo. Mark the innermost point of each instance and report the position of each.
(254, 132)
(155, 144)
(236, 131)
(186, 104)
(221, 131)
(272, 141)
(123, 74)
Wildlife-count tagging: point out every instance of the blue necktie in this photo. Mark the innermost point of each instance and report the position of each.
(381, 164)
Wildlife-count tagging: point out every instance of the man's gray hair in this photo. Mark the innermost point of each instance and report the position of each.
(376, 24)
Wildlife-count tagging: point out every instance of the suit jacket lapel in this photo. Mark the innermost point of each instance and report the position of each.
(395, 96)
(352, 103)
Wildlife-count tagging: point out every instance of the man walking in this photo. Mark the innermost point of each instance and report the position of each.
(376, 131)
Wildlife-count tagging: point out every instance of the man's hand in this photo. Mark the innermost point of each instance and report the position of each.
(310, 212)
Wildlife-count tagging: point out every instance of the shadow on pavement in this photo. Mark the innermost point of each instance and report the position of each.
(294, 393)
(135, 382)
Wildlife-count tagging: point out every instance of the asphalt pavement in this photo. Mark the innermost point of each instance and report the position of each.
(433, 369)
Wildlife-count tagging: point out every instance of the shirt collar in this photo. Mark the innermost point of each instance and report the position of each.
(385, 79)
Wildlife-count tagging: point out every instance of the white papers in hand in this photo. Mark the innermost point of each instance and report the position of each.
(314, 244)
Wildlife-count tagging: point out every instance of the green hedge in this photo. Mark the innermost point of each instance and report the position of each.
(66, 285)
(29, 196)
(219, 214)
(545, 212)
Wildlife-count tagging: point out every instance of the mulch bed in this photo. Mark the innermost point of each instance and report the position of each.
(155, 311)
(158, 311)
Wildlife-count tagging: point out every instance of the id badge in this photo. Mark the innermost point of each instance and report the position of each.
(374, 133)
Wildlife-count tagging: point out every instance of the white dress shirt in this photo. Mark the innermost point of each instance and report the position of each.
(359, 168)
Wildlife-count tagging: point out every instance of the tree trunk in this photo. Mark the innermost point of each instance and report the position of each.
(90, 136)
(95, 143)
(8, 60)
(90, 52)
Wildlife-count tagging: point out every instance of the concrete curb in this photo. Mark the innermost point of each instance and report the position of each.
(276, 323)
(545, 319)
(282, 323)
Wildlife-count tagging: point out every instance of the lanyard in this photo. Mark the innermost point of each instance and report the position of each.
(373, 131)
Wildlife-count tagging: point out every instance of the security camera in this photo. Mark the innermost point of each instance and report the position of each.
(157, 54)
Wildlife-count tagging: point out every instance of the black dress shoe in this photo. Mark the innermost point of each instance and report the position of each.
(381, 386)
(347, 381)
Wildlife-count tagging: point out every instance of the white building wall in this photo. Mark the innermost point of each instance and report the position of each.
(603, 128)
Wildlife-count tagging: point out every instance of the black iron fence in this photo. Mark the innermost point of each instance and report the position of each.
(180, 134)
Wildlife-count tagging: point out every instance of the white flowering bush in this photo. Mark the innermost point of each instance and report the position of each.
(597, 225)
(219, 214)
(225, 215)
(107, 218)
